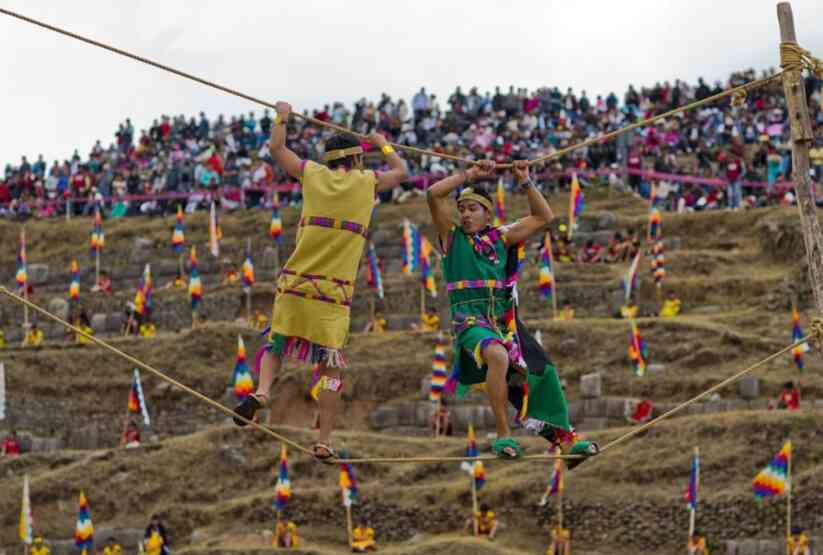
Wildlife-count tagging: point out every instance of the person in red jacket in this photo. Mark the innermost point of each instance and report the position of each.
(11, 445)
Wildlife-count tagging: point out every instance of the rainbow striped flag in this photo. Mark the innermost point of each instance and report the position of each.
(637, 350)
(98, 239)
(374, 271)
(276, 225)
(348, 484)
(426, 266)
(143, 296)
(658, 264)
(500, 204)
(22, 275)
(178, 238)
(195, 286)
(556, 479)
(248, 272)
(241, 379)
(797, 335)
(84, 530)
(440, 373)
(474, 468)
(630, 279)
(576, 204)
(411, 247)
(137, 403)
(74, 285)
(694, 484)
(774, 479)
(282, 490)
(545, 279)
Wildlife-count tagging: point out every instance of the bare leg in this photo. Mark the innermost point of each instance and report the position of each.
(497, 360)
(328, 405)
(269, 366)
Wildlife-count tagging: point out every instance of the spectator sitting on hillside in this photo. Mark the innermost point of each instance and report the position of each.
(629, 310)
(156, 538)
(789, 398)
(11, 445)
(561, 542)
(429, 321)
(178, 283)
(112, 547)
(363, 538)
(131, 435)
(618, 248)
(671, 306)
(147, 329)
(798, 542)
(231, 275)
(563, 249)
(441, 420)
(132, 324)
(39, 547)
(377, 325)
(285, 534)
(697, 544)
(566, 312)
(103, 284)
(2, 339)
(84, 324)
(592, 252)
(260, 320)
(34, 336)
(484, 522)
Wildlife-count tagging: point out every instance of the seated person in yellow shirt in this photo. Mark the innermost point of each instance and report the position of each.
(671, 306)
(148, 329)
(285, 534)
(112, 547)
(629, 310)
(697, 545)
(231, 276)
(484, 522)
(260, 321)
(378, 325)
(34, 336)
(561, 542)
(39, 547)
(566, 312)
(429, 321)
(84, 324)
(178, 283)
(798, 543)
(2, 339)
(363, 539)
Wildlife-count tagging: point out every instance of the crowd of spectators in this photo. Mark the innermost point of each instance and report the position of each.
(192, 158)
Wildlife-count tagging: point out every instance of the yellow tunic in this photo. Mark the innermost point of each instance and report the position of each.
(800, 542)
(671, 308)
(485, 522)
(315, 288)
(82, 339)
(282, 529)
(430, 322)
(40, 550)
(34, 338)
(363, 538)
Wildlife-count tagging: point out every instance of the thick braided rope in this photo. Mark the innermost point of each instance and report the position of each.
(156, 372)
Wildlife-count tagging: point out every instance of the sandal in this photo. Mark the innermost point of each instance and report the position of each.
(248, 408)
(328, 457)
(586, 449)
(507, 448)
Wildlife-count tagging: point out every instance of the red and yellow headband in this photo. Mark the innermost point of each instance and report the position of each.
(342, 153)
(469, 194)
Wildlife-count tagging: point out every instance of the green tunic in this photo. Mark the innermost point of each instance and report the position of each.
(481, 275)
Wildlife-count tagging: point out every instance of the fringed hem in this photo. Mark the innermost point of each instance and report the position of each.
(301, 350)
(558, 435)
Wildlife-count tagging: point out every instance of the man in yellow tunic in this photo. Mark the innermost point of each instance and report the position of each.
(363, 539)
(311, 316)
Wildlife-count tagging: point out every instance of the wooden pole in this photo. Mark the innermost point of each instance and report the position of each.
(180, 264)
(802, 138)
(349, 525)
(422, 303)
(437, 421)
(371, 309)
(693, 512)
(276, 259)
(97, 266)
(474, 505)
(277, 530)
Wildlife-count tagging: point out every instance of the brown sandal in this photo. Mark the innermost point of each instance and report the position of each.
(249, 407)
(330, 455)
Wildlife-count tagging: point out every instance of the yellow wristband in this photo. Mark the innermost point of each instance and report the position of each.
(279, 120)
(387, 149)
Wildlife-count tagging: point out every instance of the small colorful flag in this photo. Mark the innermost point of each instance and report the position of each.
(474, 468)
(630, 279)
(440, 372)
(178, 238)
(137, 402)
(556, 479)
(26, 520)
(143, 296)
(576, 204)
(426, 267)
(282, 490)
(195, 287)
(797, 335)
(74, 285)
(411, 247)
(374, 271)
(84, 531)
(242, 380)
(500, 204)
(694, 484)
(214, 231)
(98, 239)
(248, 272)
(774, 479)
(276, 225)
(545, 279)
(637, 350)
(22, 276)
(658, 263)
(348, 484)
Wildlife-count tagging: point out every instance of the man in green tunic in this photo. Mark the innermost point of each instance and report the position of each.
(480, 267)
